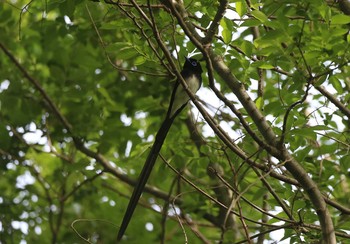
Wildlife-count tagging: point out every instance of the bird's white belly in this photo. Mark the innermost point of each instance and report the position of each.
(181, 96)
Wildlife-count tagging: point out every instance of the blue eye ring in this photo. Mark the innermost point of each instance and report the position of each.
(194, 63)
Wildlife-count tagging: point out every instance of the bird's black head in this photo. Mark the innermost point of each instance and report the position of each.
(193, 65)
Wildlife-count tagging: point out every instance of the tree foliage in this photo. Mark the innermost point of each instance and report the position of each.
(84, 86)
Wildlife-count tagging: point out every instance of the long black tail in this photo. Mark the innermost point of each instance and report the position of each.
(145, 173)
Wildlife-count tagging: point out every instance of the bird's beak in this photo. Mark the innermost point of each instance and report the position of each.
(187, 58)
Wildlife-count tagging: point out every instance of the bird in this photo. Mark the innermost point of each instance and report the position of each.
(192, 74)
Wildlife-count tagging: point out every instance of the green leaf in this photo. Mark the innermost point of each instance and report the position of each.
(251, 23)
(260, 16)
(340, 19)
(226, 24)
(247, 47)
(304, 132)
(266, 66)
(118, 46)
(259, 102)
(241, 8)
(140, 60)
(262, 65)
(345, 163)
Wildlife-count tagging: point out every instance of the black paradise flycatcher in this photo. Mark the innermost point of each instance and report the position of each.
(191, 73)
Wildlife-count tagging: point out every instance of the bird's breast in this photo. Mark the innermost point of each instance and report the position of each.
(181, 97)
(193, 83)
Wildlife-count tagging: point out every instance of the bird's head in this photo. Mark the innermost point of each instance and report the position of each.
(192, 65)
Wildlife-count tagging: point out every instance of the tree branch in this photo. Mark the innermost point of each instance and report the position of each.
(345, 110)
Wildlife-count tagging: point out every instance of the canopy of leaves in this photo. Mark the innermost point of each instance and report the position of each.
(263, 154)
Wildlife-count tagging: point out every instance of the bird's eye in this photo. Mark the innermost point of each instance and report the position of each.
(194, 63)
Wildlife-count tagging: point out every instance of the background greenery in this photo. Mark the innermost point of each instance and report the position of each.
(85, 86)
